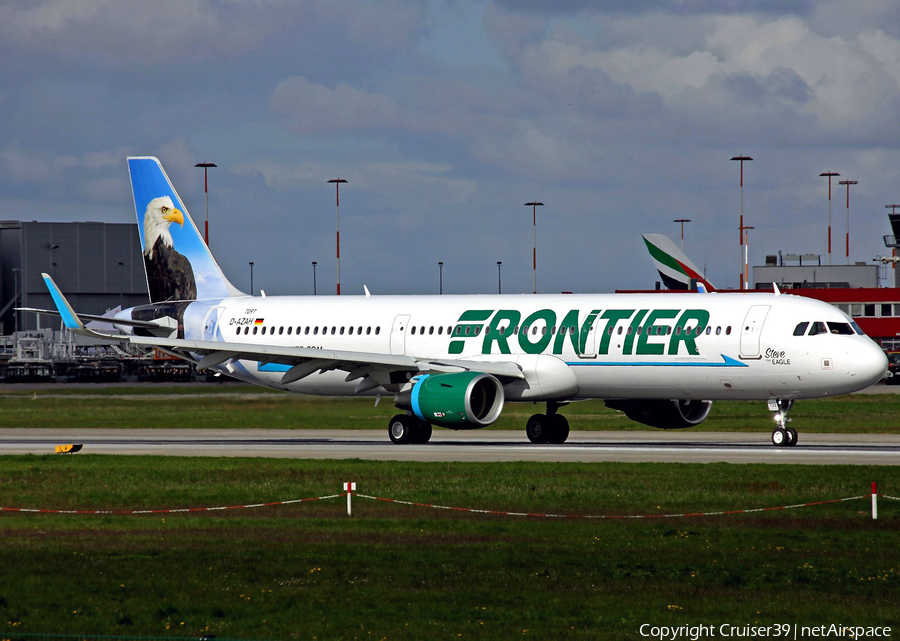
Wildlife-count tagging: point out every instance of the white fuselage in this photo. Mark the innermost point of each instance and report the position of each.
(613, 346)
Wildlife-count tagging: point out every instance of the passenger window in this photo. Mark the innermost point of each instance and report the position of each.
(238, 330)
(281, 330)
(306, 330)
(817, 328)
(800, 329)
(413, 330)
(342, 330)
(377, 330)
(368, 331)
(843, 329)
(440, 330)
(728, 331)
(359, 330)
(431, 330)
(350, 330)
(254, 330)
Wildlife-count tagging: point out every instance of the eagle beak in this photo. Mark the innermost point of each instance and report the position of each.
(174, 216)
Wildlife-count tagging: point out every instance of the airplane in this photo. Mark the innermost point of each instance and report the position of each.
(453, 361)
(675, 269)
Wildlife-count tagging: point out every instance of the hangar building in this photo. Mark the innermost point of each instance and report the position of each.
(97, 265)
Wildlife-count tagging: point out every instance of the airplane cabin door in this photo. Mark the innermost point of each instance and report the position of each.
(211, 324)
(751, 331)
(398, 334)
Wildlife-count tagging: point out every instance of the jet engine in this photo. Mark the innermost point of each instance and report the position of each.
(463, 400)
(664, 413)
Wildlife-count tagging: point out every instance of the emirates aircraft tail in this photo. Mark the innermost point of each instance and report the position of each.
(675, 269)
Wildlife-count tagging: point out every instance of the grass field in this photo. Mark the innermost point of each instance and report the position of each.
(238, 405)
(307, 571)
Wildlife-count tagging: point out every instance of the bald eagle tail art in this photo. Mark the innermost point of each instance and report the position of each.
(178, 264)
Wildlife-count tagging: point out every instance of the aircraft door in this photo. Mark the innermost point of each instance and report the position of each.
(751, 331)
(211, 324)
(398, 334)
(590, 344)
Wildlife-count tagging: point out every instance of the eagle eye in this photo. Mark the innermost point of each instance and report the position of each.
(165, 209)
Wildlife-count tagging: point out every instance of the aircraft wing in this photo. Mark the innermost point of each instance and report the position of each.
(373, 369)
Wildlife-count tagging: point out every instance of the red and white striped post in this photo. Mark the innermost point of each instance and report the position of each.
(349, 488)
(874, 501)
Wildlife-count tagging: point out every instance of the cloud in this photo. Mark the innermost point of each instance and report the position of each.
(311, 108)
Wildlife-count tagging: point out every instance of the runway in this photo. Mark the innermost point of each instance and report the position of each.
(476, 445)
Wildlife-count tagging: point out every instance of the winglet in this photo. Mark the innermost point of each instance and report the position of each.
(69, 317)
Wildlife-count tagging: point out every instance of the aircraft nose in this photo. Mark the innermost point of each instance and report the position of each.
(868, 363)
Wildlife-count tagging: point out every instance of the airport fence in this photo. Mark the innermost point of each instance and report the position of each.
(349, 491)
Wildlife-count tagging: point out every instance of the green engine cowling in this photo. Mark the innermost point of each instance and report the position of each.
(459, 400)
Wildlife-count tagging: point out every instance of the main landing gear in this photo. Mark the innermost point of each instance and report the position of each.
(404, 429)
(783, 436)
(548, 428)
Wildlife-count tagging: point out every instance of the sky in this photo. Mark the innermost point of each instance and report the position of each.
(446, 117)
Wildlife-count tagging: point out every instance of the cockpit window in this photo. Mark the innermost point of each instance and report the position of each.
(840, 328)
(818, 328)
(856, 328)
(800, 329)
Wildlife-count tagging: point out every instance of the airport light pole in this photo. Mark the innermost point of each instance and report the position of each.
(16, 271)
(534, 205)
(499, 281)
(745, 277)
(314, 263)
(206, 166)
(337, 199)
(741, 226)
(440, 277)
(829, 175)
(121, 283)
(682, 221)
(251, 278)
(848, 183)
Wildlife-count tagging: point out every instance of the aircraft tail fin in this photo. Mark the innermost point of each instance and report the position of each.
(675, 269)
(177, 262)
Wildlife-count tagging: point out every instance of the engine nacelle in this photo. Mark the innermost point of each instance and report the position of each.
(457, 400)
(664, 413)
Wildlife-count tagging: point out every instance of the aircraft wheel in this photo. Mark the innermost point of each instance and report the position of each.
(780, 437)
(559, 429)
(536, 428)
(793, 434)
(400, 429)
(421, 433)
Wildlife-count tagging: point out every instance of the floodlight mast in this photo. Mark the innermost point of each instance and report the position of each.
(337, 199)
(682, 221)
(829, 175)
(534, 205)
(848, 183)
(206, 166)
(741, 226)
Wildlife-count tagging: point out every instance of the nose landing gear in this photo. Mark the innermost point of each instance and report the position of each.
(783, 436)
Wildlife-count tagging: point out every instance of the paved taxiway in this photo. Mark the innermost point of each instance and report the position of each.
(478, 445)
